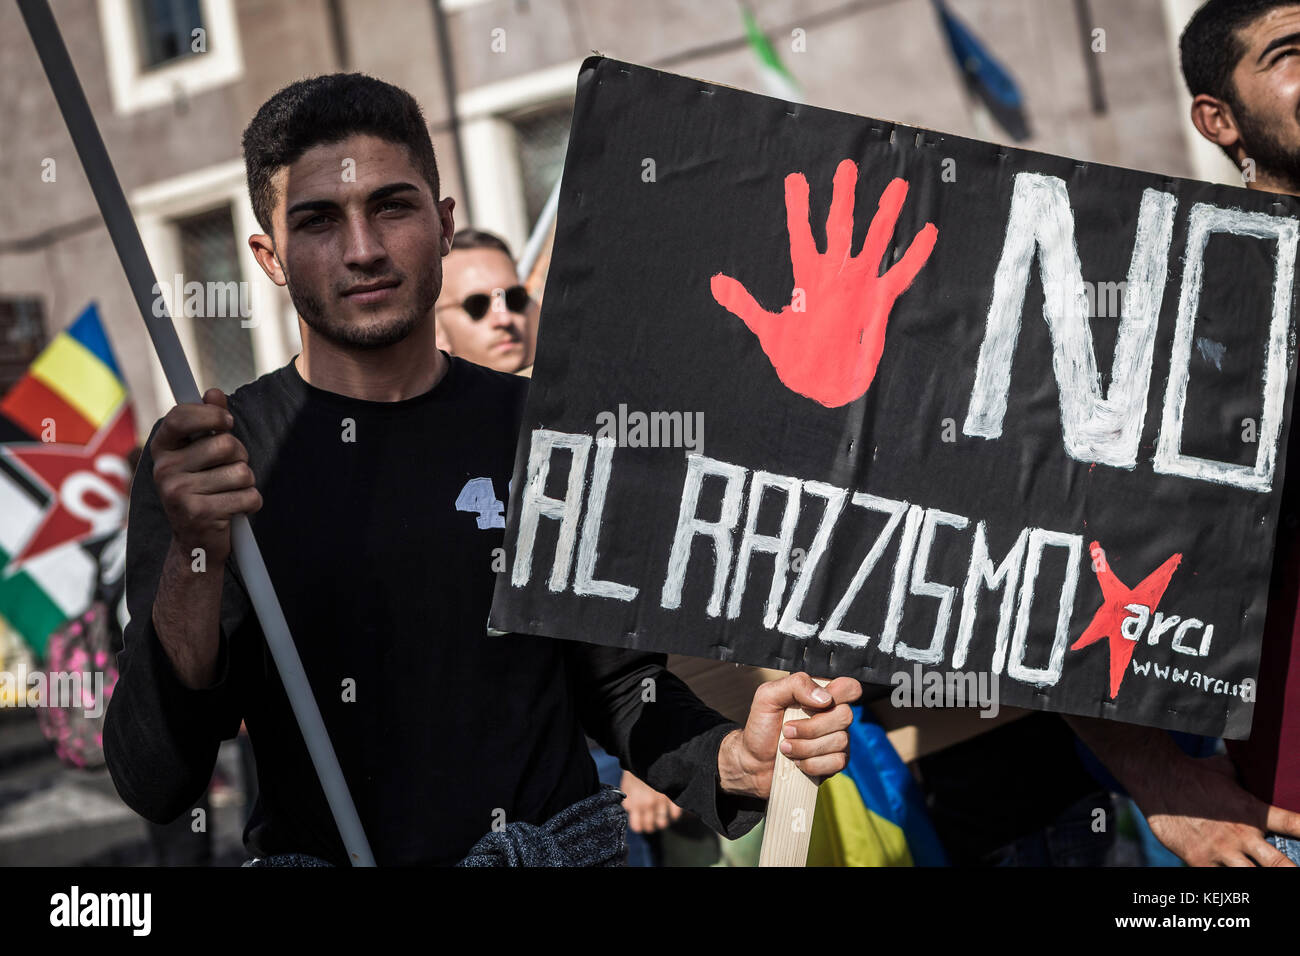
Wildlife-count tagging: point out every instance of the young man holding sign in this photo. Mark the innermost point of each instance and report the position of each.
(376, 469)
(1241, 60)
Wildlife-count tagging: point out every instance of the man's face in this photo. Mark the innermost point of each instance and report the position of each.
(499, 339)
(358, 237)
(1266, 100)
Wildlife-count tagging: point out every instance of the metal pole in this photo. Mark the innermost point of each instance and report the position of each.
(1091, 62)
(453, 111)
(533, 248)
(140, 275)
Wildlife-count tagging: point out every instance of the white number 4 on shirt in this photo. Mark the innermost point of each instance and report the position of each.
(478, 496)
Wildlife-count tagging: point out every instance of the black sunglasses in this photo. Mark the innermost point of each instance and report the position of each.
(477, 305)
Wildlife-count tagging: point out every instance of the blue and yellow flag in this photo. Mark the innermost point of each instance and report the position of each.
(872, 814)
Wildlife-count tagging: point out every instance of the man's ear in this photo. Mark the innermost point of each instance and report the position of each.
(264, 251)
(444, 207)
(1213, 119)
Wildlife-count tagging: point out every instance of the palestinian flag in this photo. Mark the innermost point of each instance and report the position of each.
(66, 434)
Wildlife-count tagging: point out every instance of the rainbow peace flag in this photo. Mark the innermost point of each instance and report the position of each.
(66, 433)
(872, 813)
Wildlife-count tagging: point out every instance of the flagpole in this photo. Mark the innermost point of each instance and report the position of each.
(140, 276)
(533, 248)
(791, 805)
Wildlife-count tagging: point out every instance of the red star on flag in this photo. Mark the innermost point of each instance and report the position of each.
(1113, 611)
(87, 485)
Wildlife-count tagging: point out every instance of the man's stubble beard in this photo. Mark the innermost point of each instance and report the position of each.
(343, 333)
(1272, 157)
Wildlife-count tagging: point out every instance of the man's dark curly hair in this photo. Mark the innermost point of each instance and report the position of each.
(1211, 45)
(328, 109)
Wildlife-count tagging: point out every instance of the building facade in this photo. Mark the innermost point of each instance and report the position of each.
(173, 83)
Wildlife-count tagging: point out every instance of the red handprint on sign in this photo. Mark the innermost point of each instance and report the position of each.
(826, 343)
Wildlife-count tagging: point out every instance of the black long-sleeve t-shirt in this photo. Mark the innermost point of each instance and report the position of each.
(385, 575)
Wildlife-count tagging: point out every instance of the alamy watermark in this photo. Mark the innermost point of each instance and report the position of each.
(64, 689)
(946, 689)
(205, 300)
(1103, 300)
(133, 911)
(637, 429)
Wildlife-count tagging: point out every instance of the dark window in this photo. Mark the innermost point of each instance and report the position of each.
(22, 336)
(167, 29)
(209, 256)
(543, 136)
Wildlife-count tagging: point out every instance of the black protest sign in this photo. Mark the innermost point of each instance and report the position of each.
(821, 392)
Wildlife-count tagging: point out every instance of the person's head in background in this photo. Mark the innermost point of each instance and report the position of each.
(1241, 61)
(484, 315)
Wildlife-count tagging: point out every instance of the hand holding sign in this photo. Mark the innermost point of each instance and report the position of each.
(819, 745)
(830, 352)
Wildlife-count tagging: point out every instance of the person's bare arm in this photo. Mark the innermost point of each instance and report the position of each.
(187, 618)
(202, 483)
(1195, 807)
(181, 684)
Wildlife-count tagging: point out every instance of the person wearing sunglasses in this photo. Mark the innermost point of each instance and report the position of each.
(484, 314)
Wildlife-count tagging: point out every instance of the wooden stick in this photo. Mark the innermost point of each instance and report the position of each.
(790, 807)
